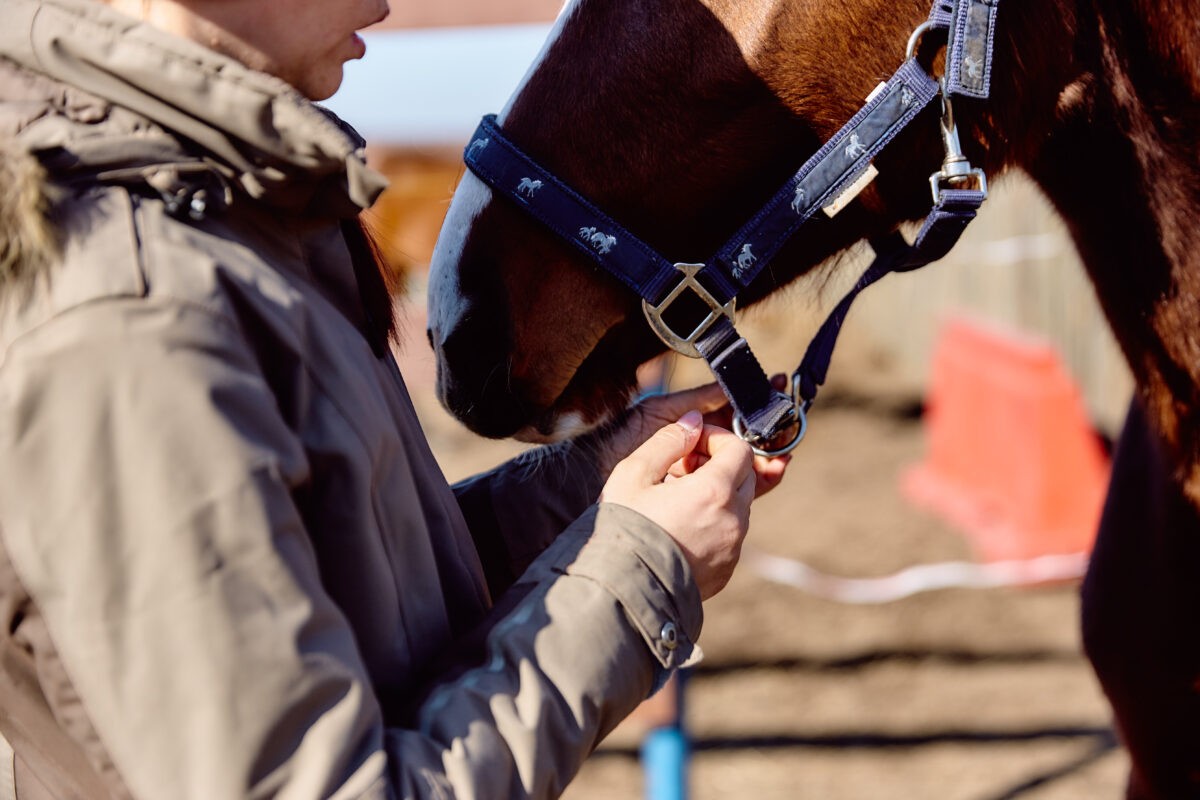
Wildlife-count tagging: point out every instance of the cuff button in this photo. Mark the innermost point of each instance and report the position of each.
(669, 636)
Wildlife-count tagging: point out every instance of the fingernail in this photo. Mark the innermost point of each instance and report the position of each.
(691, 421)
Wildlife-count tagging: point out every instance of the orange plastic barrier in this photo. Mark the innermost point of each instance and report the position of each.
(1012, 458)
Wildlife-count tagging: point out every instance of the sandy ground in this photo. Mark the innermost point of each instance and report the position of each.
(951, 694)
(971, 694)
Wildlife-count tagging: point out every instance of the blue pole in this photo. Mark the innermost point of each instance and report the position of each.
(665, 749)
(665, 754)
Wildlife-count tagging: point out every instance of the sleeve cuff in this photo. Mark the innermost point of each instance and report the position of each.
(639, 564)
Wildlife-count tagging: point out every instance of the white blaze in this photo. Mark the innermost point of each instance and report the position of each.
(446, 304)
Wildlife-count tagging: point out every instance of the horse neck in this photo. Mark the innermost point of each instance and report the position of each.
(1115, 149)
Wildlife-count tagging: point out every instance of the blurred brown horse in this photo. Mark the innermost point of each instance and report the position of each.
(680, 117)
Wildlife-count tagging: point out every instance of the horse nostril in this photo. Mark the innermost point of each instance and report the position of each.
(474, 382)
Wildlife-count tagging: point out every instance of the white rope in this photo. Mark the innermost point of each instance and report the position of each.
(917, 579)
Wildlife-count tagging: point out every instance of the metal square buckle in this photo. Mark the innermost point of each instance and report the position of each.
(686, 345)
(970, 178)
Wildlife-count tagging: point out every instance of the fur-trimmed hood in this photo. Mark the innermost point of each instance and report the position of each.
(27, 240)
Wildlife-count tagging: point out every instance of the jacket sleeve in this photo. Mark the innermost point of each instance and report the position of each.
(146, 505)
(517, 509)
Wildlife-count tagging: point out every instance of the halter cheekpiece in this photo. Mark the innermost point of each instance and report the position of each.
(774, 422)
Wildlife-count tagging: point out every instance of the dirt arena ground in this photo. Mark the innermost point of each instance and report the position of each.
(949, 695)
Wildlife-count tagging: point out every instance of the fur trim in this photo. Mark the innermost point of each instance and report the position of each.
(27, 241)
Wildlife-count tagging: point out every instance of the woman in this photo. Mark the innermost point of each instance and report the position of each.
(229, 565)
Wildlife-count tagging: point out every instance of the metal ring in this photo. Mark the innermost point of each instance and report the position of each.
(914, 41)
(801, 421)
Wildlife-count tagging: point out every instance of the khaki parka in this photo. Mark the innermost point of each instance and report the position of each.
(229, 564)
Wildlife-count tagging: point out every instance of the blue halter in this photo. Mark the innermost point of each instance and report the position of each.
(772, 421)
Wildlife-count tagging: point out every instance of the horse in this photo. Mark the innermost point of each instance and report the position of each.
(680, 117)
(528, 187)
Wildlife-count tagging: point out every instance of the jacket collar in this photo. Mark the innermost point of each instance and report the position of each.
(259, 133)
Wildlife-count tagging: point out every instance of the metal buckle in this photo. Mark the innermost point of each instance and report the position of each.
(798, 423)
(914, 40)
(686, 345)
(955, 180)
(956, 169)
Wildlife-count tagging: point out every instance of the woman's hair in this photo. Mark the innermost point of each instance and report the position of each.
(376, 284)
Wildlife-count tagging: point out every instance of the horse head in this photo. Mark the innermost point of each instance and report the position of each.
(679, 118)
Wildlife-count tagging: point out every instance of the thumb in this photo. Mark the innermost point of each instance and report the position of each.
(704, 399)
(668, 444)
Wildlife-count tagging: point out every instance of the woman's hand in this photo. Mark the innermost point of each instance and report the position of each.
(696, 482)
(652, 413)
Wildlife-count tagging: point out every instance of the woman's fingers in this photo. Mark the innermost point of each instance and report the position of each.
(704, 399)
(726, 452)
(696, 482)
(769, 472)
(655, 458)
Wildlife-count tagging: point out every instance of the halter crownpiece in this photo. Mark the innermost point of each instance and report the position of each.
(774, 422)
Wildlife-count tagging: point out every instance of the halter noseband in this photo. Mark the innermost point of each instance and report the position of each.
(774, 422)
